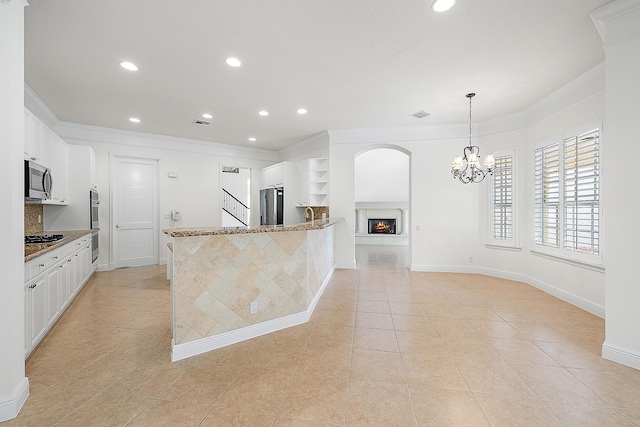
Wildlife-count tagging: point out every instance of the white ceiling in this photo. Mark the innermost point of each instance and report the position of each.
(350, 63)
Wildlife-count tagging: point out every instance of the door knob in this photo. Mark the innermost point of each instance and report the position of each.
(117, 226)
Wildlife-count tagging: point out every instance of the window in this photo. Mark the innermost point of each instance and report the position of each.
(567, 194)
(582, 193)
(502, 200)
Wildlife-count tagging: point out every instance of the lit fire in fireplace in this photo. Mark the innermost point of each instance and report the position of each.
(381, 227)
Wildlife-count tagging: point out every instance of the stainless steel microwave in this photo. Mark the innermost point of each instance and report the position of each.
(37, 181)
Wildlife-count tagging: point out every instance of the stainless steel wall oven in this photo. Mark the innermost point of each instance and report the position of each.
(95, 202)
(95, 224)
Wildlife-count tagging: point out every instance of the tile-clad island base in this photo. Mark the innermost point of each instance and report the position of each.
(218, 273)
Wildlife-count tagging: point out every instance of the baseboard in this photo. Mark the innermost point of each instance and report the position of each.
(10, 408)
(346, 265)
(193, 348)
(582, 303)
(442, 268)
(621, 355)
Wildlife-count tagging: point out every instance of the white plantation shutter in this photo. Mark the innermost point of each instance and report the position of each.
(502, 198)
(547, 195)
(582, 192)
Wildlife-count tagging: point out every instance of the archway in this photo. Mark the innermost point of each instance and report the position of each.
(382, 196)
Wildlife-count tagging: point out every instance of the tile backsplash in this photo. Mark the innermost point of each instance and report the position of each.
(31, 214)
(317, 213)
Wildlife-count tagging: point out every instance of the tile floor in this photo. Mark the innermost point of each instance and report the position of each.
(385, 347)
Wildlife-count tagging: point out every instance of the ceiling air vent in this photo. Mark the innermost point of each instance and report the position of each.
(420, 114)
(200, 122)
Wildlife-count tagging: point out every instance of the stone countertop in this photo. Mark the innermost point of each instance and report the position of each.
(205, 231)
(34, 250)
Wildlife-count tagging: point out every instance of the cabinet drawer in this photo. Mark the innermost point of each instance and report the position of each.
(39, 265)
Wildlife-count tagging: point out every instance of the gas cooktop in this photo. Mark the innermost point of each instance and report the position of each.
(47, 238)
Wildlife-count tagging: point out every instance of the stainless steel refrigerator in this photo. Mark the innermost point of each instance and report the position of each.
(272, 206)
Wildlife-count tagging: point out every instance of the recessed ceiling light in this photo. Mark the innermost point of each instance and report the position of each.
(233, 62)
(264, 113)
(134, 120)
(128, 66)
(302, 111)
(442, 5)
(252, 139)
(207, 116)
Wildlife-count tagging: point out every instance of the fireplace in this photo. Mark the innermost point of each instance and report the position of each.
(382, 226)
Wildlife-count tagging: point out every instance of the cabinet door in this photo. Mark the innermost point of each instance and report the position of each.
(92, 172)
(27, 320)
(277, 175)
(57, 155)
(52, 283)
(28, 133)
(38, 309)
(64, 284)
(302, 183)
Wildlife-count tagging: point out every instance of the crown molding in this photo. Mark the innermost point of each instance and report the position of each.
(80, 132)
(585, 85)
(617, 21)
(395, 134)
(574, 91)
(36, 105)
(315, 142)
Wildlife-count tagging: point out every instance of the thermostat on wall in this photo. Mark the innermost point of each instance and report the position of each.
(172, 174)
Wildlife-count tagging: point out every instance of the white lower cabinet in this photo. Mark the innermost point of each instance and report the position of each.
(48, 293)
(52, 281)
(37, 305)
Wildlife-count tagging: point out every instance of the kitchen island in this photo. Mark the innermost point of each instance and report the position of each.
(232, 284)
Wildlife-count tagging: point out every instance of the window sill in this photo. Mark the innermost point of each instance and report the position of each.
(582, 264)
(503, 247)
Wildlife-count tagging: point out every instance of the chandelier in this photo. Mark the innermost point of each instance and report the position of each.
(467, 167)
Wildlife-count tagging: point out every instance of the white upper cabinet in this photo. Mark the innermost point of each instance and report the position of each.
(34, 135)
(57, 155)
(44, 147)
(273, 176)
(313, 182)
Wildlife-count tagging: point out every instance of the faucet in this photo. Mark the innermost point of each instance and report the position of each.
(308, 209)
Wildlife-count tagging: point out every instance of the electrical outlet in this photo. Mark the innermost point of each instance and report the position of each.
(470, 259)
(417, 228)
(167, 216)
(254, 308)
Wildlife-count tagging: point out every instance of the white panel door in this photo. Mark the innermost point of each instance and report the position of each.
(135, 211)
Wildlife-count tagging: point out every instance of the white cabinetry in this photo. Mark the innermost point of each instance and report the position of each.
(44, 147)
(33, 137)
(313, 182)
(36, 304)
(274, 176)
(75, 216)
(51, 282)
(57, 155)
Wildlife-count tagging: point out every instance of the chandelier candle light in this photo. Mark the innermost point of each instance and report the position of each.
(467, 167)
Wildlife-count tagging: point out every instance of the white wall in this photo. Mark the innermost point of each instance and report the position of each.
(445, 211)
(382, 175)
(453, 217)
(622, 44)
(195, 193)
(579, 285)
(14, 387)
